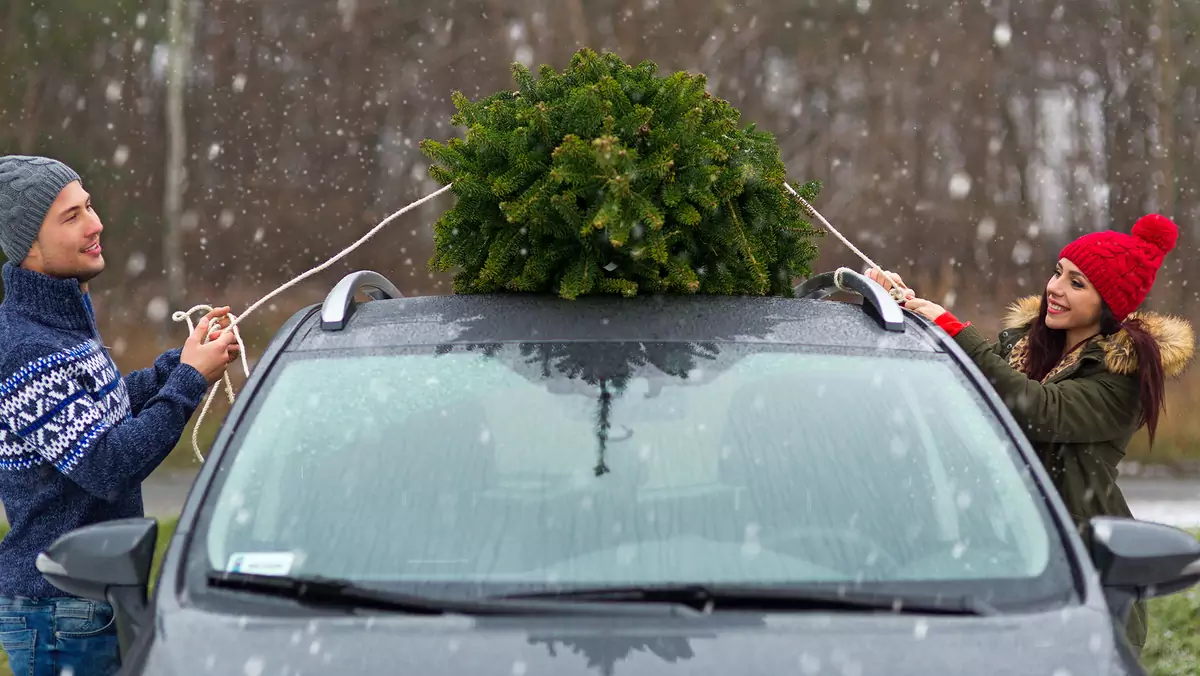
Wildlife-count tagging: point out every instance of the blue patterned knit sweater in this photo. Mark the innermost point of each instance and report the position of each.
(76, 439)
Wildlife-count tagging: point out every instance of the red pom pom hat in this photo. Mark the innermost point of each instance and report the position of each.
(1123, 267)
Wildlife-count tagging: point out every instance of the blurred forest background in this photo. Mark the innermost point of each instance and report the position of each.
(232, 144)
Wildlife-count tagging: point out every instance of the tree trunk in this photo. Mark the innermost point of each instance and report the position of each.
(1170, 290)
(180, 46)
(1164, 181)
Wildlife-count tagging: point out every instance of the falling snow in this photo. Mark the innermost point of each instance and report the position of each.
(960, 186)
(135, 264)
(157, 309)
(1002, 34)
(962, 152)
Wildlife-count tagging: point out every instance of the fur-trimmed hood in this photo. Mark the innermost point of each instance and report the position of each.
(1175, 336)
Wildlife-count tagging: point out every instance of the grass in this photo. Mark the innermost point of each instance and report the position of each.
(1173, 645)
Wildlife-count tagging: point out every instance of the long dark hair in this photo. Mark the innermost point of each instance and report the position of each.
(1046, 347)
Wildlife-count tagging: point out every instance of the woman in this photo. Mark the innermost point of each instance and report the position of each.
(1079, 369)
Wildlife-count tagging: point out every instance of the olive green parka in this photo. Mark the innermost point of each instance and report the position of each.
(1081, 418)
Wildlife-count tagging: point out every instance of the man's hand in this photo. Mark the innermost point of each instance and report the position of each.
(220, 316)
(211, 358)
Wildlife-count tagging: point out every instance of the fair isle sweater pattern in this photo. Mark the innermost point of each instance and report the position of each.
(59, 405)
(76, 438)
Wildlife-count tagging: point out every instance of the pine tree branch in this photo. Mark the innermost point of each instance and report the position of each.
(606, 178)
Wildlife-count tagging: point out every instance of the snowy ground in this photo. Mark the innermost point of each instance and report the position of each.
(1171, 501)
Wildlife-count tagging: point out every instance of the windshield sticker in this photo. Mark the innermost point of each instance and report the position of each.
(261, 563)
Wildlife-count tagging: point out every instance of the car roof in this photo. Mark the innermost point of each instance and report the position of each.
(468, 319)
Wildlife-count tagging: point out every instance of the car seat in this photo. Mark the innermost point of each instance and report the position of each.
(836, 470)
(401, 492)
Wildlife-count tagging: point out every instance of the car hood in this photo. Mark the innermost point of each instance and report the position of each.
(1074, 641)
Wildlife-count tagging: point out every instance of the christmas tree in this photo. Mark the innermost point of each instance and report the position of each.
(606, 178)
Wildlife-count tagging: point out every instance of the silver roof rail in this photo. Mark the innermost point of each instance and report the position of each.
(339, 305)
(876, 301)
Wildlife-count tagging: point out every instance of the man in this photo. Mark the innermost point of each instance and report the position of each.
(76, 439)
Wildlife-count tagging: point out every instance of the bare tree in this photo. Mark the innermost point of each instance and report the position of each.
(180, 18)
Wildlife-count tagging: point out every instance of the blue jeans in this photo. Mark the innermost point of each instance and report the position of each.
(59, 637)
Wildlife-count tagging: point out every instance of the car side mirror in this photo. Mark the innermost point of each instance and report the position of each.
(1140, 560)
(109, 562)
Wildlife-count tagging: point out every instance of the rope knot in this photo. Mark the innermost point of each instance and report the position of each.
(181, 316)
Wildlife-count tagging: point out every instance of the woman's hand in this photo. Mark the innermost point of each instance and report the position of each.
(892, 279)
(925, 308)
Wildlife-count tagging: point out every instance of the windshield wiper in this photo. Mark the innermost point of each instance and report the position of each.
(743, 597)
(343, 594)
(334, 593)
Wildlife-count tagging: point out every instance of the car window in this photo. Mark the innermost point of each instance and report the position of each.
(476, 469)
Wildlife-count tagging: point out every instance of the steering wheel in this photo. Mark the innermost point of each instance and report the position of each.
(789, 539)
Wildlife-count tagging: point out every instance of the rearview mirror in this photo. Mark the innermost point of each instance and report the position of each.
(108, 562)
(1141, 559)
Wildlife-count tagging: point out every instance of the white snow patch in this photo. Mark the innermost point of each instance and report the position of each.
(136, 264)
(156, 309)
(986, 228)
(960, 185)
(524, 54)
(1022, 253)
(1002, 34)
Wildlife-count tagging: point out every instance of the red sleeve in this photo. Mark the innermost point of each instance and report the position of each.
(950, 324)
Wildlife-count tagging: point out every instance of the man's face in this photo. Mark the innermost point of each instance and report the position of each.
(68, 245)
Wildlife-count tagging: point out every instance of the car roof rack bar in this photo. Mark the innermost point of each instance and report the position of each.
(339, 305)
(876, 301)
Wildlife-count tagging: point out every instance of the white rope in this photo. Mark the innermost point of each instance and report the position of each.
(237, 319)
(839, 279)
(896, 292)
(187, 316)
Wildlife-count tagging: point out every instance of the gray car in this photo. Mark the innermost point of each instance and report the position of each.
(524, 485)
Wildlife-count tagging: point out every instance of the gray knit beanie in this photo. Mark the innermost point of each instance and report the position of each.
(28, 186)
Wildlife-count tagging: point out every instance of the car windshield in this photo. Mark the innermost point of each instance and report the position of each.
(476, 470)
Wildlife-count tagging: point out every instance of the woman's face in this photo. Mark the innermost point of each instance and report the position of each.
(1072, 301)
